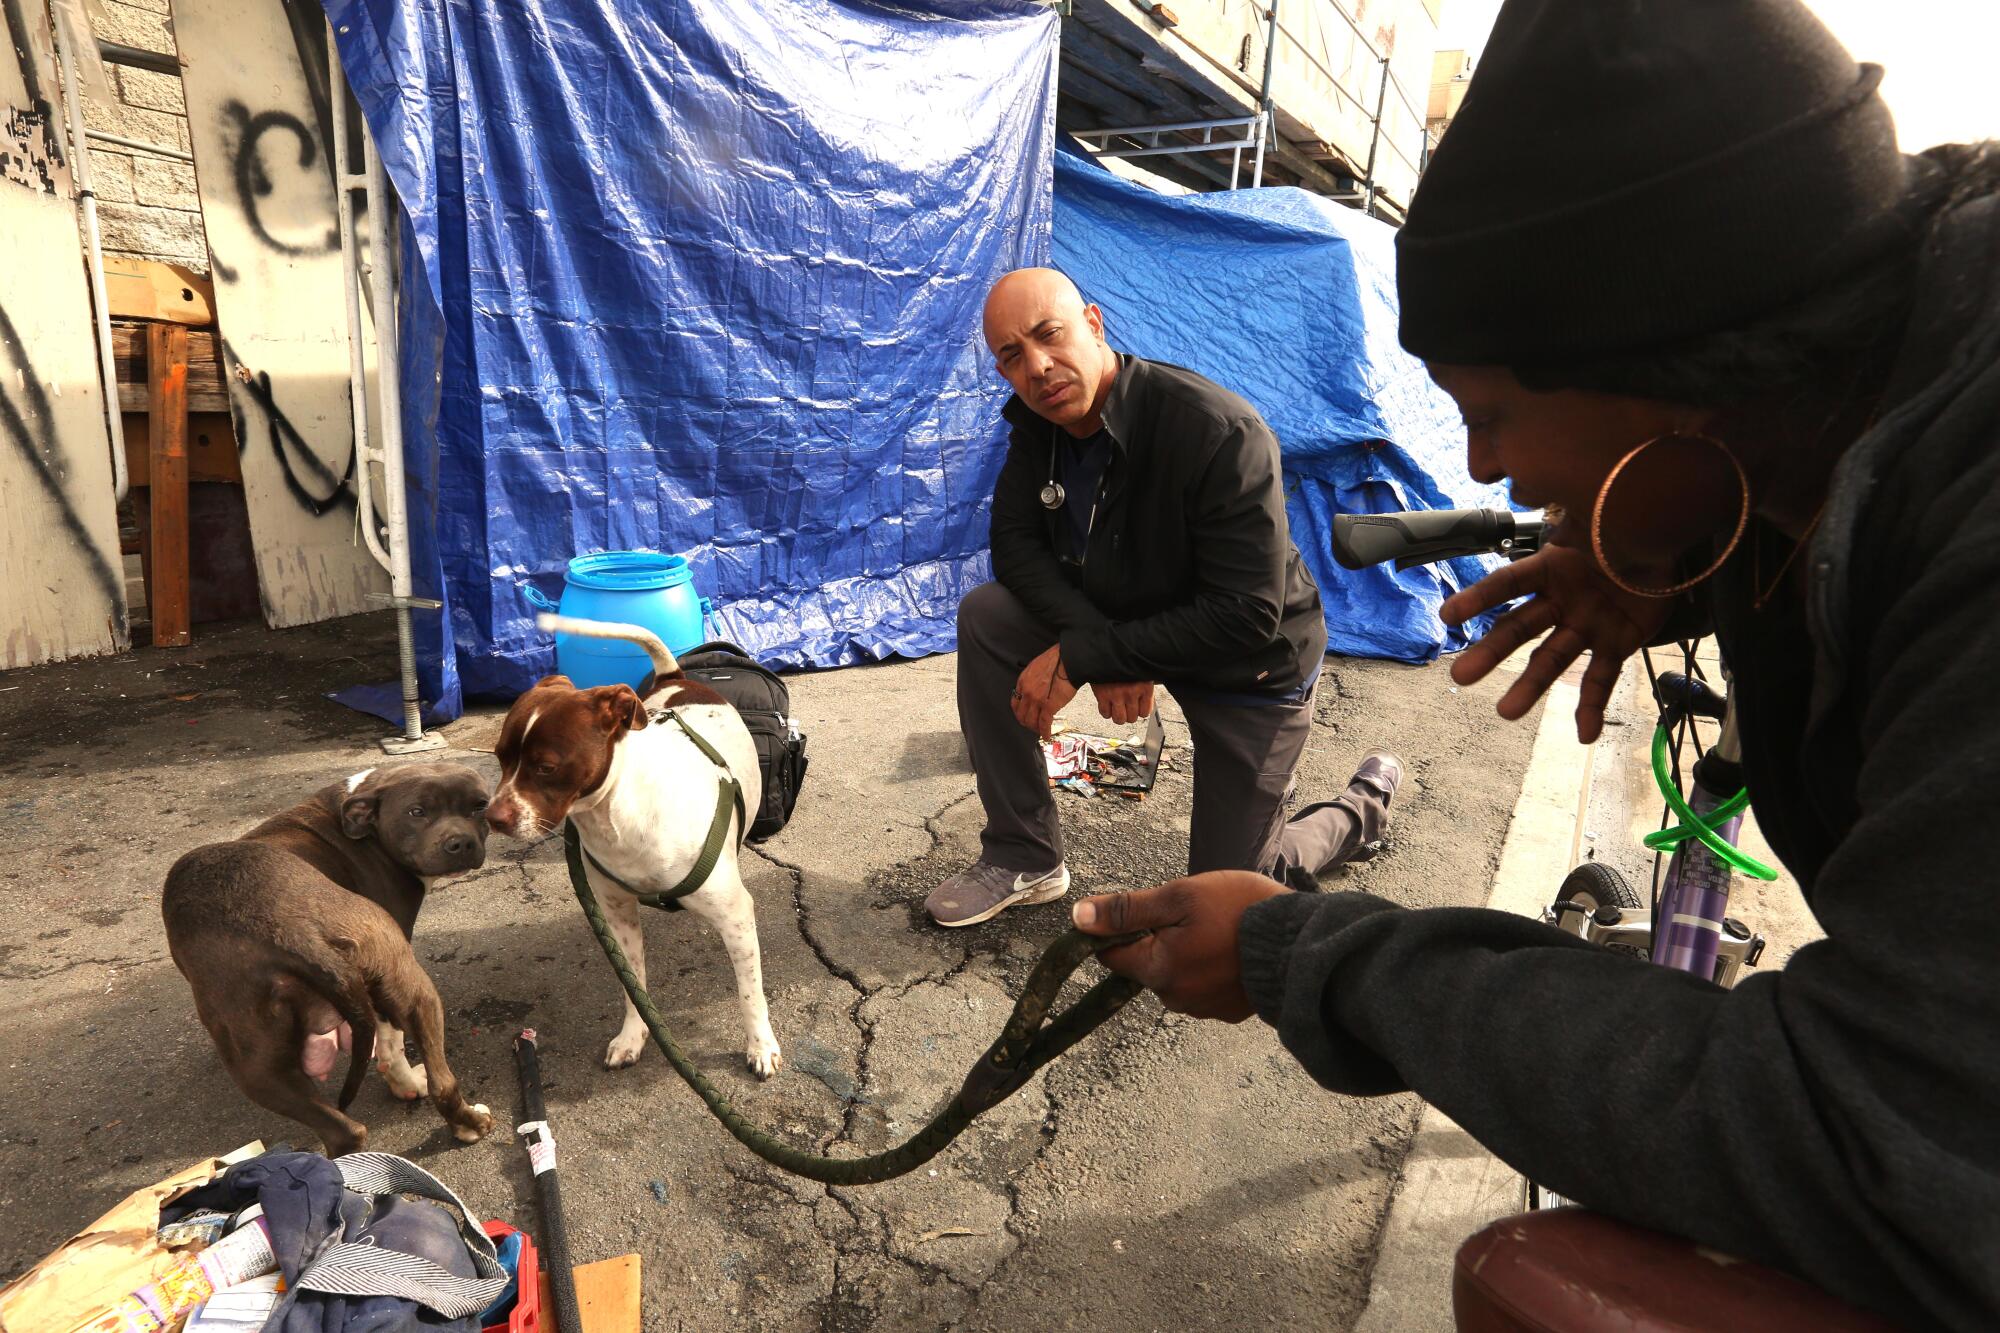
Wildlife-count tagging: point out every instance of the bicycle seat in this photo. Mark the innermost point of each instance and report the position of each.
(1569, 1270)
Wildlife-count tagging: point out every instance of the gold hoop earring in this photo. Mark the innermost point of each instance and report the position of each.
(1604, 491)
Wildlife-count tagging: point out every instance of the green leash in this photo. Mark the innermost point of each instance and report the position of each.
(1024, 1046)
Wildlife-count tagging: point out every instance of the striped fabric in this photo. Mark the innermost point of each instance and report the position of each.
(348, 1268)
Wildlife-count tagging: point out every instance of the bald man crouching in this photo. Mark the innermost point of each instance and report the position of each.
(1139, 541)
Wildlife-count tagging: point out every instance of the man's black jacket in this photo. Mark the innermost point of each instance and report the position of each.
(1190, 575)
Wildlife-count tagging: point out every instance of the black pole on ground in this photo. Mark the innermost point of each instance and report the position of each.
(541, 1144)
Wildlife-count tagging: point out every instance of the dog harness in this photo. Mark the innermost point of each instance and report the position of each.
(728, 801)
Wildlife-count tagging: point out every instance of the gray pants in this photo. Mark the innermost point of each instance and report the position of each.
(1244, 760)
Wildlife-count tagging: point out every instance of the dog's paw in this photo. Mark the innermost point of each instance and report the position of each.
(411, 1086)
(473, 1133)
(625, 1049)
(764, 1057)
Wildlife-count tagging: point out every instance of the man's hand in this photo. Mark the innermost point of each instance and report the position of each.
(1569, 594)
(1125, 703)
(1189, 960)
(1041, 692)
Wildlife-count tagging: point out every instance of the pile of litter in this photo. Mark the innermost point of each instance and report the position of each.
(273, 1238)
(1084, 765)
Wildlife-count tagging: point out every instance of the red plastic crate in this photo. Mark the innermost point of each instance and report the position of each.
(527, 1313)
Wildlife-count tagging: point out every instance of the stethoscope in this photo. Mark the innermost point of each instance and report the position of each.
(1053, 495)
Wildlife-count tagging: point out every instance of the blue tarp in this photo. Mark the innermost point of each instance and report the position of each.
(704, 276)
(1289, 299)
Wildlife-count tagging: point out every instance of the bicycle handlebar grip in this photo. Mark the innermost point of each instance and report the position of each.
(1361, 540)
(1680, 694)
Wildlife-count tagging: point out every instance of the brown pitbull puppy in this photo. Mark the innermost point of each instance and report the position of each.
(296, 936)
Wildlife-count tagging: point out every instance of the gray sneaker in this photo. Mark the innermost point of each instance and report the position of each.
(984, 891)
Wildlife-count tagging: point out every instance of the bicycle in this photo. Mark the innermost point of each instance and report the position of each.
(1686, 925)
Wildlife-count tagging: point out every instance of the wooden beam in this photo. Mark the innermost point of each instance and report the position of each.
(148, 289)
(1111, 106)
(1120, 35)
(211, 448)
(1311, 174)
(166, 383)
(1085, 48)
(206, 389)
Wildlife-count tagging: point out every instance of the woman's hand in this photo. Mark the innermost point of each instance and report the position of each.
(1189, 960)
(1569, 594)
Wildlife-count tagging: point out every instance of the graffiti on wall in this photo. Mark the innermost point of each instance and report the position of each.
(261, 420)
(31, 152)
(29, 425)
(256, 81)
(62, 590)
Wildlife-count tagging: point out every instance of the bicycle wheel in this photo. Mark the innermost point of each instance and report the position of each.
(1596, 885)
(1591, 885)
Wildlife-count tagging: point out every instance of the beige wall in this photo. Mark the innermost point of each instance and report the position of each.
(146, 205)
(1451, 75)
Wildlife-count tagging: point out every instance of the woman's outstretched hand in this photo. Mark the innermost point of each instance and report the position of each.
(1569, 595)
(1189, 959)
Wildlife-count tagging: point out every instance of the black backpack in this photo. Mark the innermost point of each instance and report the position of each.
(766, 707)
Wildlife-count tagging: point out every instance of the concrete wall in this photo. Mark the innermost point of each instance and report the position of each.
(146, 205)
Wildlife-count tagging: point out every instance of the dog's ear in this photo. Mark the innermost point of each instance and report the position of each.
(359, 802)
(619, 708)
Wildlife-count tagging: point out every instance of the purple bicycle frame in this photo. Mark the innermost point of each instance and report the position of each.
(1695, 897)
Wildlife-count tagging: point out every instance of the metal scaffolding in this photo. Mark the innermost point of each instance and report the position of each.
(1257, 131)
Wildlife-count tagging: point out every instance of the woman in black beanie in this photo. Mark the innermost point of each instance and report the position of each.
(1685, 289)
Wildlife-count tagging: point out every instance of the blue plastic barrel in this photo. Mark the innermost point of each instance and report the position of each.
(633, 588)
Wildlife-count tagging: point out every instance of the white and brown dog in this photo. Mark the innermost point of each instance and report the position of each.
(642, 797)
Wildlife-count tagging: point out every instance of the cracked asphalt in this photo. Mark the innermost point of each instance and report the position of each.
(1165, 1174)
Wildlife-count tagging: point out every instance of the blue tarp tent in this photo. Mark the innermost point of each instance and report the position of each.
(1289, 299)
(704, 276)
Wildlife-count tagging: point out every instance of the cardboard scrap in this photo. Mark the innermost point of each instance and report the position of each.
(108, 1260)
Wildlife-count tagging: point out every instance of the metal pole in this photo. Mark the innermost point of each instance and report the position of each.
(159, 62)
(382, 248)
(79, 157)
(1267, 121)
(1368, 181)
(548, 1188)
(357, 372)
(139, 145)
